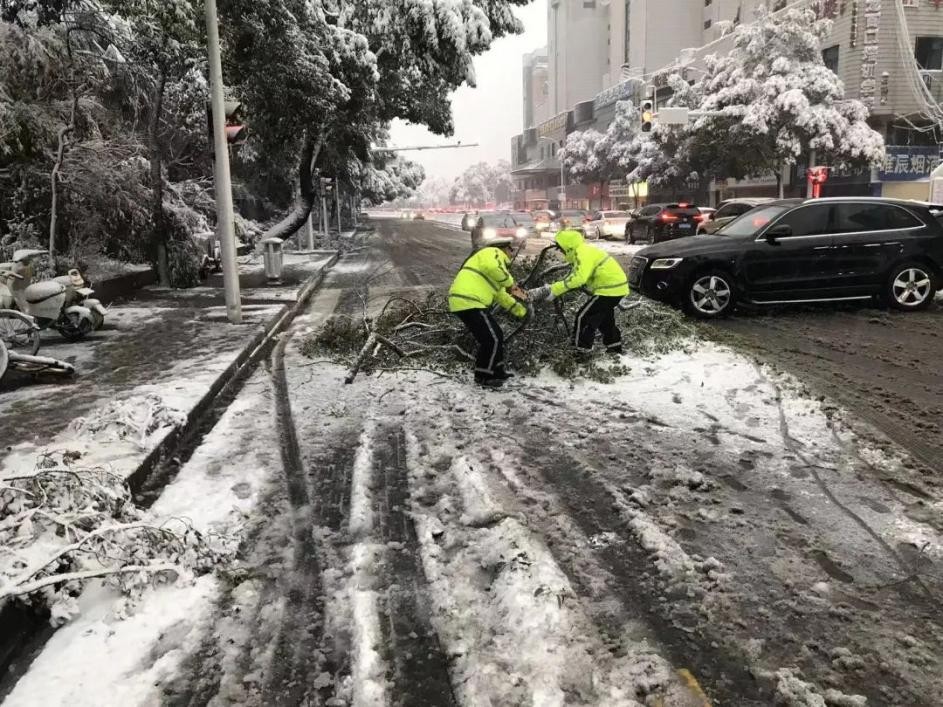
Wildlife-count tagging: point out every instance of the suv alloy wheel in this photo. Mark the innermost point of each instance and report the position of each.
(710, 295)
(910, 286)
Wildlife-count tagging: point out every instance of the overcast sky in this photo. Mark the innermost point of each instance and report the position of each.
(489, 114)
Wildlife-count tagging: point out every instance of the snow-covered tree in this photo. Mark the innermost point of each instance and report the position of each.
(593, 156)
(319, 74)
(773, 101)
(583, 157)
(399, 178)
(483, 183)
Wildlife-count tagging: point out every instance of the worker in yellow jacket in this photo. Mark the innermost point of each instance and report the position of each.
(600, 275)
(482, 281)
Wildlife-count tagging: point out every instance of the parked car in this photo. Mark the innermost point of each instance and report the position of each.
(726, 212)
(497, 225)
(574, 218)
(797, 250)
(656, 223)
(606, 224)
(419, 216)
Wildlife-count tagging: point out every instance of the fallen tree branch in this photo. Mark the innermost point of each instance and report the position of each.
(9, 591)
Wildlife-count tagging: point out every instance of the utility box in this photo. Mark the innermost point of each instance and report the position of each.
(273, 257)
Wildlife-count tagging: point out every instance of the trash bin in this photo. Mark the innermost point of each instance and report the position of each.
(272, 256)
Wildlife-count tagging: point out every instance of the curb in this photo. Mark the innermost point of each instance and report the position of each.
(239, 368)
(24, 632)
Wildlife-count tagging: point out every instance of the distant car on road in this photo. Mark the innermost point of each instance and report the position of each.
(573, 218)
(526, 221)
(606, 224)
(497, 225)
(543, 218)
(656, 223)
(726, 212)
(468, 221)
(419, 216)
(798, 250)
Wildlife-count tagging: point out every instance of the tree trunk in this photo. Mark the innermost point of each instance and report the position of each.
(779, 182)
(157, 181)
(64, 132)
(299, 214)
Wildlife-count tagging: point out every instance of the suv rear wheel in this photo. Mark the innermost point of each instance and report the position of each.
(710, 295)
(910, 287)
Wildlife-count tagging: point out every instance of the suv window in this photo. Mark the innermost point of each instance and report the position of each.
(687, 211)
(808, 220)
(734, 210)
(857, 218)
(650, 210)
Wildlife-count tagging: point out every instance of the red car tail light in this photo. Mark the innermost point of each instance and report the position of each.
(668, 218)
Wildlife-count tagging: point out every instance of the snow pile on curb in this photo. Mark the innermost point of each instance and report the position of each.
(137, 419)
(64, 524)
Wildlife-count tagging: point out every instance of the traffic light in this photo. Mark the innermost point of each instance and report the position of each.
(236, 132)
(648, 115)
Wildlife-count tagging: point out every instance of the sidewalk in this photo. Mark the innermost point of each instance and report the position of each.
(174, 344)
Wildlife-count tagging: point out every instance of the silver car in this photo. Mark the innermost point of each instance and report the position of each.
(606, 224)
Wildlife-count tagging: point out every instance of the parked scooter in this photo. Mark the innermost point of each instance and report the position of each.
(62, 303)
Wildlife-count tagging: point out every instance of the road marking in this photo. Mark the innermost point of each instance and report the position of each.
(694, 686)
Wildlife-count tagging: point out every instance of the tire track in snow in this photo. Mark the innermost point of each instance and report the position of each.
(297, 658)
(419, 666)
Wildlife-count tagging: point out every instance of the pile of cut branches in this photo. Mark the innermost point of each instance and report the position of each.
(422, 334)
(64, 523)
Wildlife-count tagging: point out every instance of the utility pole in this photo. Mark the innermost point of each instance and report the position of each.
(311, 230)
(325, 230)
(562, 185)
(337, 202)
(225, 230)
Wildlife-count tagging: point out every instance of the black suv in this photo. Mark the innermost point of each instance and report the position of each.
(662, 222)
(798, 250)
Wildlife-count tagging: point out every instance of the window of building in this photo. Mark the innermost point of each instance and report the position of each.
(830, 58)
(591, 4)
(708, 23)
(929, 53)
(707, 3)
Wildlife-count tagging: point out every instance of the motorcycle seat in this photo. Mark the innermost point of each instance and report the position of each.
(41, 291)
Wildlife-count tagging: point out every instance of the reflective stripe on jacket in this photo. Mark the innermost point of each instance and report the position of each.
(593, 269)
(483, 281)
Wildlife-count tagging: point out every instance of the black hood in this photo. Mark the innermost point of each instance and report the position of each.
(692, 245)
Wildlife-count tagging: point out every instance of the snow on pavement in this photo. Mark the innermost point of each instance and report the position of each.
(578, 544)
(99, 659)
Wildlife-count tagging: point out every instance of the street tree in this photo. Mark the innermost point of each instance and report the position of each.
(771, 101)
(592, 156)
(482, 183)
(323, 79)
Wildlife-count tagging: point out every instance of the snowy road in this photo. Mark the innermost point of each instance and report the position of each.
(701, 532)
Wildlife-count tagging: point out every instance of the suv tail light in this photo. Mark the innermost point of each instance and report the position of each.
(668, 218)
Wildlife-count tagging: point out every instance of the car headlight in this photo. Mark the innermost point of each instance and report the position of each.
(522, 232)
(665, 263)
(489, 233)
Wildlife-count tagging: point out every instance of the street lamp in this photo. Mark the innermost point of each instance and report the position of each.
(225, 228)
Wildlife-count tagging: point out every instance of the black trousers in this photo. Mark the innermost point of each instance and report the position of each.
(598, 313)
(489, 362)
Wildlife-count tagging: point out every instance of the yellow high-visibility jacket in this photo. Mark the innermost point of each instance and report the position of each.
(593, 269)
(482, 281)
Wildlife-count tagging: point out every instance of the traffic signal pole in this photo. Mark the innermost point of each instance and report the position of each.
(225, 229)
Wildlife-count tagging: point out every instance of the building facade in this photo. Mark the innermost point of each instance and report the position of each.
(536, 83)
(888, 53)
